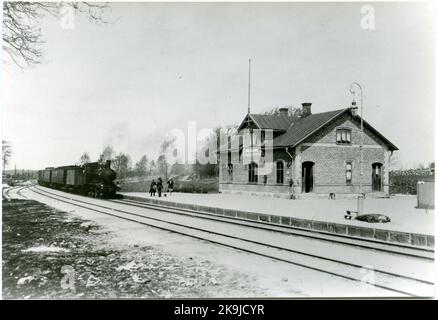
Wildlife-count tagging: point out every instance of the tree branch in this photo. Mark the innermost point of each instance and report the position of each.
(22, 37)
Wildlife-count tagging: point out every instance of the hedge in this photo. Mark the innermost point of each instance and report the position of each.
(405, 181)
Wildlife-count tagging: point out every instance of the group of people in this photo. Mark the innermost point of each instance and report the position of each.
(158, 187)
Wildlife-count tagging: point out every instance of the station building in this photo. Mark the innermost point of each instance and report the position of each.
(313, 154)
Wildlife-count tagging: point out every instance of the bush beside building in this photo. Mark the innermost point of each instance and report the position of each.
(405, 181)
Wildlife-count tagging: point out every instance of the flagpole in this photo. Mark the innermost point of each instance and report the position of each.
(249, 87)
(249, 105)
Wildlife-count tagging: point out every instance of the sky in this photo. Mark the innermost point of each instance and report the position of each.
(154, 67)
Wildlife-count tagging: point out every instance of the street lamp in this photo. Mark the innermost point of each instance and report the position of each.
(353, 92)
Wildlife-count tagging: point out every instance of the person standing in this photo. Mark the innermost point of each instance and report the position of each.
(152, 188)
(159, 186)
(170, 184)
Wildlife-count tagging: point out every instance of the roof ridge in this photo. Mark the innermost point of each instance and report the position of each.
(278, 114)
(337, 112)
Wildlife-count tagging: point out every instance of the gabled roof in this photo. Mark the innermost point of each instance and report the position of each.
(302, 128)
(265, 121)
(297, 130)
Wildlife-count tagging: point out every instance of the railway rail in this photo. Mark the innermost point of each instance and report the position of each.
(387, 247)
(187, 223)
(6, 192)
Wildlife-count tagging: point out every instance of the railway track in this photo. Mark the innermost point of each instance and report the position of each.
(188, 224)
(387, 247)
(19, 192)
(6, 192)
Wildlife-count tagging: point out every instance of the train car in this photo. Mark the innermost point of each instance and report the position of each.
(93, 179)
(74, 180)
(58, 177)
(45, 177)
(48, 176)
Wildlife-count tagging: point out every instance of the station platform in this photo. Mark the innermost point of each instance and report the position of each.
(408, 224)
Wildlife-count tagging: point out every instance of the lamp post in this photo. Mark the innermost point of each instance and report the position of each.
(353, 92)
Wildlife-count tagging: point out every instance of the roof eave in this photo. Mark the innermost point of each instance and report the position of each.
(244, 120)
(388, 143)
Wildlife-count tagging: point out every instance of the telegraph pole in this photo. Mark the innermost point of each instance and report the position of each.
(360, 197)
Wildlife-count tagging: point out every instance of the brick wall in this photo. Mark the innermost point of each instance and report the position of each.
(329, 171)
(330, 159)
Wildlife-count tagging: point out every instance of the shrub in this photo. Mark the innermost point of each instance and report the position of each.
(405, 181)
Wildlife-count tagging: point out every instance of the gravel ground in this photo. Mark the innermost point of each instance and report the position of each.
(48, 253)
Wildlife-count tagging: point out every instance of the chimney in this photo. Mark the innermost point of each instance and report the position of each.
(307, 111)
(353, 108)
(284, 112)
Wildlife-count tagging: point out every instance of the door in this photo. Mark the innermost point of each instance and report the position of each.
(307, 177)
(376, 177)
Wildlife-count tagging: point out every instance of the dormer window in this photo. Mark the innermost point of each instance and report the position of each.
(343, 136)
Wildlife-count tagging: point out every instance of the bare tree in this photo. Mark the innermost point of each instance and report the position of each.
(163, 166)
(22, 37)
(162, 161)
(85, 158)
(293, 112)
(121, 164)
(141, 167)
(211, 144)
(168, 142)
(152, 167)
(6, 153)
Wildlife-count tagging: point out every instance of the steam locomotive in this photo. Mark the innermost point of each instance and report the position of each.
(92, 179)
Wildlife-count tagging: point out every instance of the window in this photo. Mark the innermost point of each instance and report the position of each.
(348, 172)
(230, 172)
(252, 172)
(262, 143)
(240, 148)
(343, 136)
(280, 172)
(229, 149)
(262, 137)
